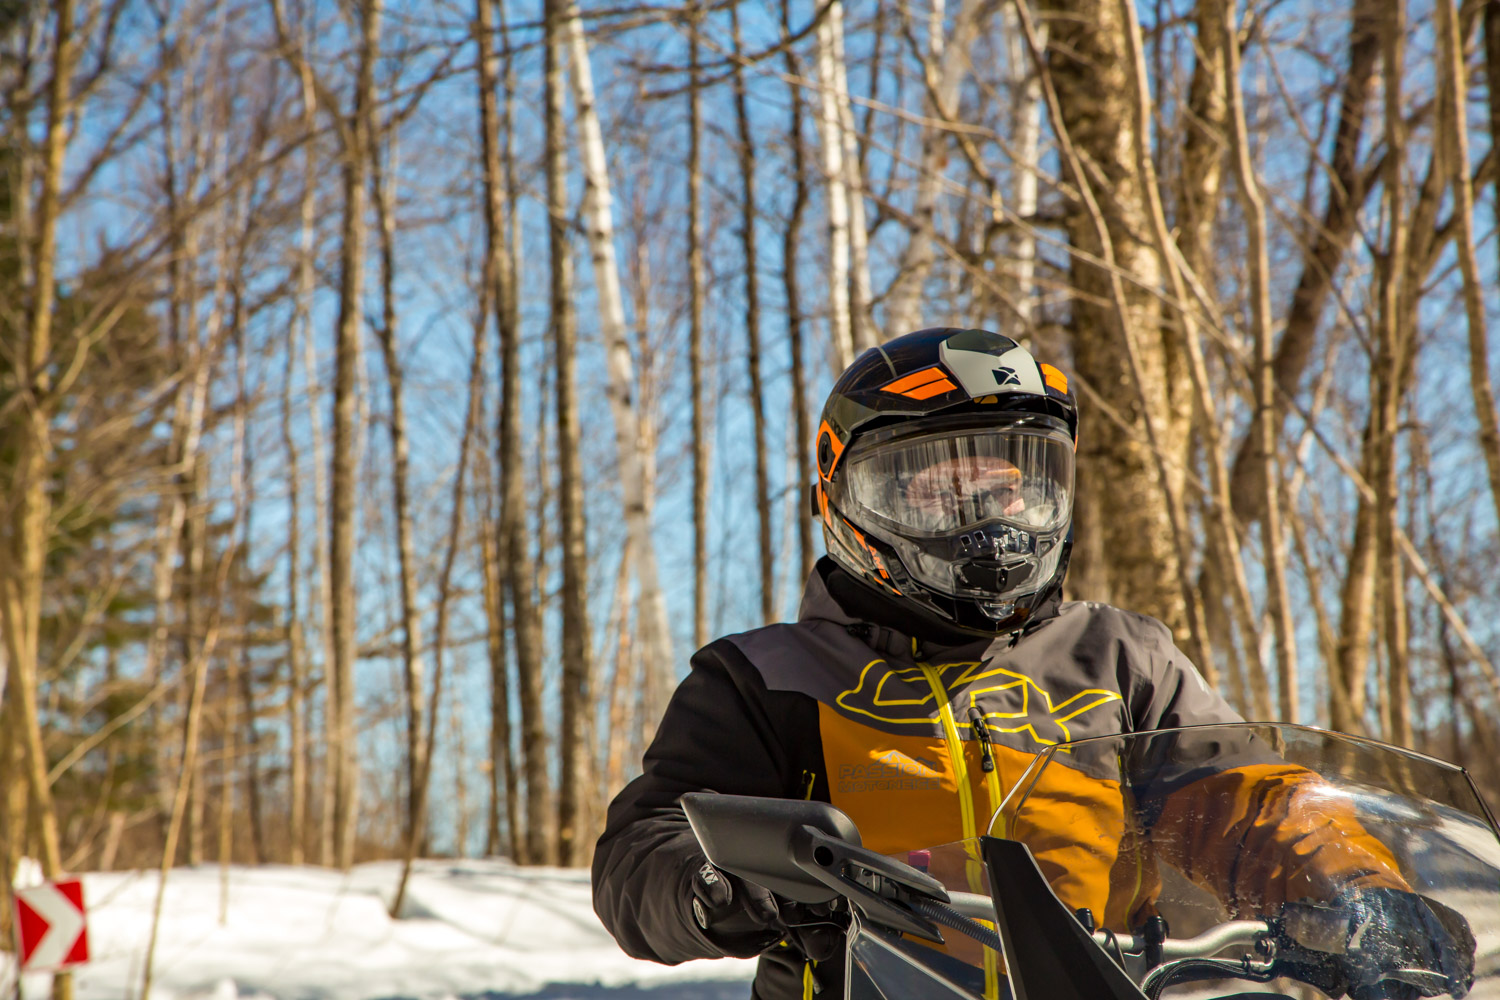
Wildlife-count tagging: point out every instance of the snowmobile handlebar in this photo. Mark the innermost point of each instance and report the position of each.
(1212, 941)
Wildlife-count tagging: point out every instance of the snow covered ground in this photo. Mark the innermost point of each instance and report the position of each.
(468, 929)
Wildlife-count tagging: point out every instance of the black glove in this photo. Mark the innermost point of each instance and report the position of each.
(739, 917)
(1379, 944)
(1403, 946)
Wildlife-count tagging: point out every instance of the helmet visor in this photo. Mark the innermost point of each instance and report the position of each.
(945, 482)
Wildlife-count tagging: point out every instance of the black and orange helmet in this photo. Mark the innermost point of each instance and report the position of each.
(945, 475)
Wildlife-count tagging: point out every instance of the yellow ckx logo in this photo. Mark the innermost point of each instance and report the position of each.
(1045, 721)
(902, 695)
(891, 694)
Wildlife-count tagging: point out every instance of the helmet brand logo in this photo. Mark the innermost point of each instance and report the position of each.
(1007, 376)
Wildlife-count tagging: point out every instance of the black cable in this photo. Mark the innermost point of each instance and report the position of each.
(1190, 970)
(939, 913)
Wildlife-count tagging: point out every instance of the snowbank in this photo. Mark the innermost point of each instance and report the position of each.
(467, 929)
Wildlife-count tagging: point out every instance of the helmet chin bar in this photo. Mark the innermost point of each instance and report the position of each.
(995, 541)
(1008, 564)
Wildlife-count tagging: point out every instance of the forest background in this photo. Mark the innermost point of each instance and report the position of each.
(393, 395)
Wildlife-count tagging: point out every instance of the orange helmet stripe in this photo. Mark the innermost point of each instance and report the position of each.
(930, 389)
(1055, 378)
(921, 385)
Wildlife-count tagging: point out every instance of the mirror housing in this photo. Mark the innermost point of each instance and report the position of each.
(753, 838)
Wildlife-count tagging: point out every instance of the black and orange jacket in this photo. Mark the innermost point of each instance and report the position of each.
(838, 708)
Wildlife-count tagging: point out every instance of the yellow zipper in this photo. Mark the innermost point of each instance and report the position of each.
(955, 752)
(981, 730)
(973, 867)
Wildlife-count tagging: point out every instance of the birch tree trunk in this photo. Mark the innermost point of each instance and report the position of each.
(861, 326)
(836, 196)
(1025, 89)
(328, 805)
(655, 635)
(945, 67)
(1223, 537)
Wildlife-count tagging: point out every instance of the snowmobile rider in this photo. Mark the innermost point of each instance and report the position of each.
(932, 659)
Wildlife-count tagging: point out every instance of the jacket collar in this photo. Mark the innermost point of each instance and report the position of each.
(888, 625)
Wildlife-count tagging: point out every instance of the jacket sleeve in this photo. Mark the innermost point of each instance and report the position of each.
(718, 734)
(1305, 836)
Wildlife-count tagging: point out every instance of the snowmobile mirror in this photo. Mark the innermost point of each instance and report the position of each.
(753, 838)
(847, 868)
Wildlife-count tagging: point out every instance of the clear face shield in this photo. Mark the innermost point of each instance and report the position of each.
(974, 511)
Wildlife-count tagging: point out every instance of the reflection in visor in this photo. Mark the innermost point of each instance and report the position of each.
(943, 483)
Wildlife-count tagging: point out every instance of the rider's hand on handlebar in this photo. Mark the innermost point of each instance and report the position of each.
(1403, 946)
(739, 917)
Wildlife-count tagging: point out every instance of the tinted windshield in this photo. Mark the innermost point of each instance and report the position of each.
(1217, 834)
(1219, 823)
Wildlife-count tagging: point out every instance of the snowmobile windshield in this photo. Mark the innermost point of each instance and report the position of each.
(1220, 862)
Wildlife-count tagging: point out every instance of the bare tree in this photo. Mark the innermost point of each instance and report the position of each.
(1133, 462)
(356, 142)
(791, 238)
(1278, 599)
(836, 181)
(1387, 378)
(411, 622)
(944, 66)
(1454, 81)
(27, 435)
(509, 536)
(299, 328)
(695, 341)
(748, 211)
(629, 442)
(575, 630)
(1327, 242)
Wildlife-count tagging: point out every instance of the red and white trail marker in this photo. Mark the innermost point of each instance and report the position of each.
(53, 932)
